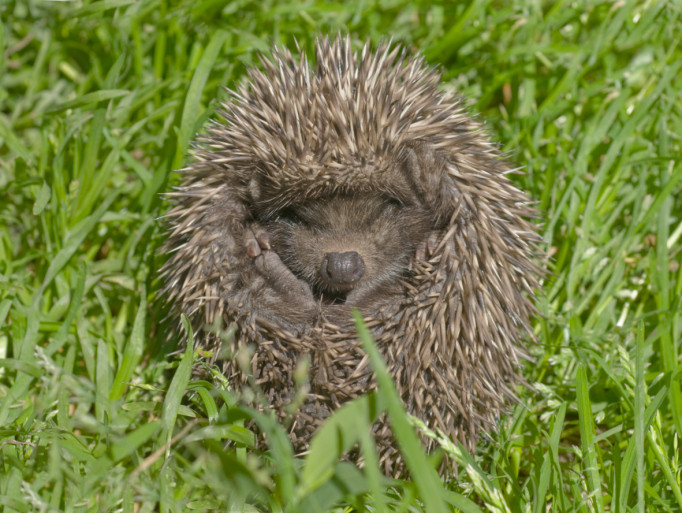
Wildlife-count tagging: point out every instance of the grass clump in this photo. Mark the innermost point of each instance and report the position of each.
(98, 104)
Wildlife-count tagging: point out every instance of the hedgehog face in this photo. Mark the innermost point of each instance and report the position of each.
(349, 248)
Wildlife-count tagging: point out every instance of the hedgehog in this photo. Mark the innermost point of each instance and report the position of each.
(356, 182)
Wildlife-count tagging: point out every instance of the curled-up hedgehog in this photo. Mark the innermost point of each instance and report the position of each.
(357, 183)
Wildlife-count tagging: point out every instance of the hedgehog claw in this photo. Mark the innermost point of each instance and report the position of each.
(263, 239)
(257, 242)
(253, 248)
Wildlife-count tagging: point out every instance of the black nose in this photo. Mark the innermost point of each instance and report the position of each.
(343, 268)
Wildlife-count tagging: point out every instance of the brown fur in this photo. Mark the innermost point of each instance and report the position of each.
(361, 170)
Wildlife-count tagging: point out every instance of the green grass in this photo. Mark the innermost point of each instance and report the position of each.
(98, 104)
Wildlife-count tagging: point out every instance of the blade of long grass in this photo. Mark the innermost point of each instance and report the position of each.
(133, 350)
(425, 477)
(587, 435)
(640, 392)
(72, 242)
(340, 432)
(171, 403)
(545, 470)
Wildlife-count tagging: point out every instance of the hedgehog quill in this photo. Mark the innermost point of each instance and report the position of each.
(357, 182)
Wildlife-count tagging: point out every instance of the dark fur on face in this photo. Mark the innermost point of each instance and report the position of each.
(325, 253)
(349, 248)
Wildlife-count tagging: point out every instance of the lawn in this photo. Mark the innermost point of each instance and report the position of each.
(99, 103)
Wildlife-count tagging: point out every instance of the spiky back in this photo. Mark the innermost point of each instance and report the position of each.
(335, 127)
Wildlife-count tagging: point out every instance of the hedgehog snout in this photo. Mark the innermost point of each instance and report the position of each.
(342, 271)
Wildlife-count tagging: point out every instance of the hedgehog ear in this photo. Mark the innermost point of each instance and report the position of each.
(427, 173)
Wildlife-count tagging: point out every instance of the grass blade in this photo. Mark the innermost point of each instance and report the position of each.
(425, 476)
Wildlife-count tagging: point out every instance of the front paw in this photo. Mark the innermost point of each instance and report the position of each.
(257, 241)
(277, 276)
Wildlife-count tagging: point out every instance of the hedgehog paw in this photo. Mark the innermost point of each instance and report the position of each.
(281, 279)
(258, 243)
(277, 275)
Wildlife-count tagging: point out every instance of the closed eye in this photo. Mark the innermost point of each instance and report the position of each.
(290, 215)
(394, 202)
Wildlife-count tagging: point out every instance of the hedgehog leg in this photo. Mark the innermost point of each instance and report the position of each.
(277, 275)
